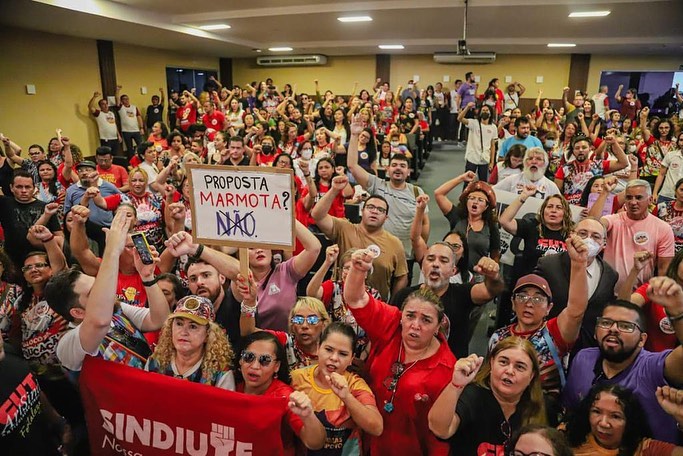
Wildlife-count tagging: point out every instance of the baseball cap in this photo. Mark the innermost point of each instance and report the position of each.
(196, 308)
(534, 280)
(85, 163)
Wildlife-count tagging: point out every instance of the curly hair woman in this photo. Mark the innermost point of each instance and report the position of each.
(193, 347)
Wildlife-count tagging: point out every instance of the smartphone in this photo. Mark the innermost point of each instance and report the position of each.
(142, 246)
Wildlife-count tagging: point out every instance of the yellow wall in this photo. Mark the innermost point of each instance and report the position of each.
(338, 74)
(65, 72)
(522, 68)
(138, 67)
(634, 62)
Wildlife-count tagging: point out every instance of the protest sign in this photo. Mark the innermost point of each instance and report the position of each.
(133, 412)
(242, 206)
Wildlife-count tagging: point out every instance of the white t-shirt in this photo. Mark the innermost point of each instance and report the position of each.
(454, 105)
(106, 125)
(515, 184)
(479, 142)
(129, 119)
(69, 349)
(511, 101)
(673, 161)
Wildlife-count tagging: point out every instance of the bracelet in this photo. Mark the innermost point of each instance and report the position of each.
(247, 310)
(307, 175)
(48, 240)
(457, 386)
(150, 283)
(198, 253)
(673, 319)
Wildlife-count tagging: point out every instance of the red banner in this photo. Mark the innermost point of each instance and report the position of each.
(135, 413)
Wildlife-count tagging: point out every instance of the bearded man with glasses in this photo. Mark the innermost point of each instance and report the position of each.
(620, 357)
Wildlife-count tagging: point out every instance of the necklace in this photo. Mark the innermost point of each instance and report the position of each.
(397, 370)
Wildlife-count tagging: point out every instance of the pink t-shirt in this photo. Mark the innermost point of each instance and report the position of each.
(626, 237)
(277, 297)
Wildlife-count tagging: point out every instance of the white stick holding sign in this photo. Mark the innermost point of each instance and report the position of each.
(242, 206)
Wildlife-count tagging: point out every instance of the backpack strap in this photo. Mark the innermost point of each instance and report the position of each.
(556, 356)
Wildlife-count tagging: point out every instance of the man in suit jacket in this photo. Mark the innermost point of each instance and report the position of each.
(602, 279)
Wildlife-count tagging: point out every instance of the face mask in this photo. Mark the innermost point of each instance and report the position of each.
(592, 246)
(394, 143)
(306, 154)
(632, 148)
(485, 115)
(267, 148)
(549, 143)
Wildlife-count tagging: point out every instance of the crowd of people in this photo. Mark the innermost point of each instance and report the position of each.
(586, 353)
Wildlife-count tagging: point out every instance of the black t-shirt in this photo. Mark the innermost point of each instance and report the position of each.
(480, 243)
(6, 173)
(483, 428)
(406, 121)
(457, 303)
(154, 114)
(16, 218)
(535, 246)
(23, 429)
(228, 317)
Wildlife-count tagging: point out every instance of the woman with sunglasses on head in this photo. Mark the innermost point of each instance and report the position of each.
(331, 293)
(491, 399)
(342, 400)
(409, 364)
(307, 320)
(537, 440)
(262, 370)
(610, 421)
(193, 347)
(552, 339)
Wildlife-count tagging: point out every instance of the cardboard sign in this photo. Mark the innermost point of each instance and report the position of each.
(242, 206)
(133, 412)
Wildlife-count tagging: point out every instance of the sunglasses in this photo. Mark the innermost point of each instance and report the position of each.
(311, 320)
(249, 357)
(533, 453)
(28, 267)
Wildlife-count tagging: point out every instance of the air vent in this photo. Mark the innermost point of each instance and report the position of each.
(291, 60)
(472, 57)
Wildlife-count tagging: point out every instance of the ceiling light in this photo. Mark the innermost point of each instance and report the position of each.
(589, 14)
(391, 46)
(561, 45)
(355, 19)
(280, 49)
(214, 27)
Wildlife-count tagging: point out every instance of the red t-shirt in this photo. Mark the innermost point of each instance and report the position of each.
(60, 176)
(660, 332)
(186, 115)
(158, 141)
(116, 175)
(215, 121)
(406, 429)
(293, 422)
(336, 210)
(135, 161)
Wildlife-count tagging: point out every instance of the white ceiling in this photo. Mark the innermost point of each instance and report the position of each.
(310, 26)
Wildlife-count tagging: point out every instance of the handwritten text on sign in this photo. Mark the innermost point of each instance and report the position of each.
(245, 206)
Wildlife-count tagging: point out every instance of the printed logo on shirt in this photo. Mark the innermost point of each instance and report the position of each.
(364, 155)
(641, 238)
(20, 408)
(130, 293)
(675, 165)
(273, 289)
(666, 327)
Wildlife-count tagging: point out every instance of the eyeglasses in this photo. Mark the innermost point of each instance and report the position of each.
(533, 453)
(372, 207)
(391, 383)
(249, 357)
(583, 234)
(506, 431)
(29, 267)
(535, 300)
(311, 320)
(455, 245)
(622, 326)
(476, 199)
